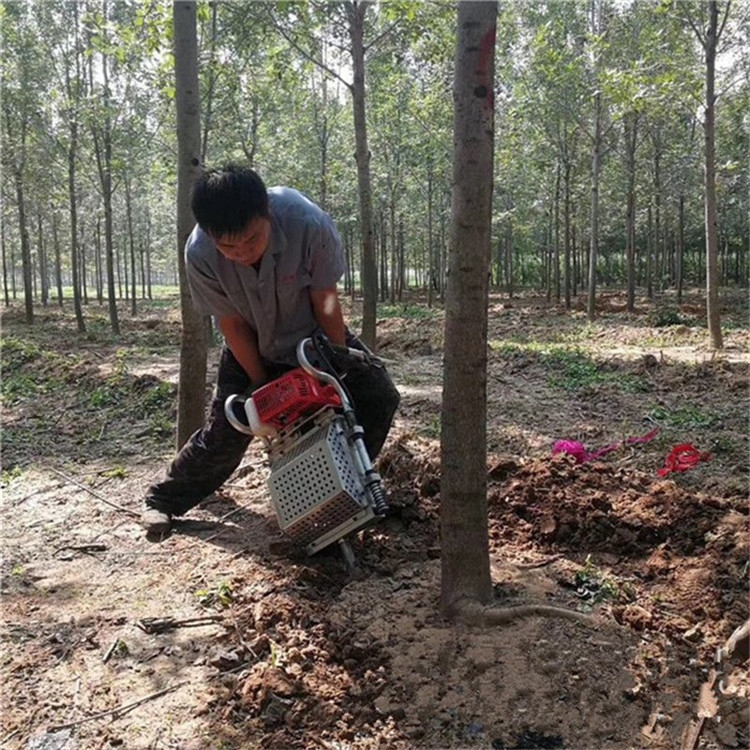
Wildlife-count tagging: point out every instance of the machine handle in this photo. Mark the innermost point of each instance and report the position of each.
(232, 417)
(323, 376)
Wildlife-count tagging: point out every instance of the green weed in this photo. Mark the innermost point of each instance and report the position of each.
(118, 472)
(683, 416)
(221, 596)
(8, 475)
(668, 316)
(431, 429)
(408, 311)
(594, 586)
(572, 369)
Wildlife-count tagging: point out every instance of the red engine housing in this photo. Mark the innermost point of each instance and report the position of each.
(294, 395)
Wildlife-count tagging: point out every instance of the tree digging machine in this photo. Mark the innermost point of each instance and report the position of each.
(322, 482)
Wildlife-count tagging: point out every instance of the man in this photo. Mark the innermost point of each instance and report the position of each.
(265, 264)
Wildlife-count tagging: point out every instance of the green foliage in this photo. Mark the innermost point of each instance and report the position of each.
(683, 416)
(573, 369)
(116, 472)
(28, 371)
(570, 367)
(594, 586)
(8, 475)
(217, 598)
(409, 311)
(668, 316)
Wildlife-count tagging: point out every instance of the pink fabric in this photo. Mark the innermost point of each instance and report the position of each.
(581, 455)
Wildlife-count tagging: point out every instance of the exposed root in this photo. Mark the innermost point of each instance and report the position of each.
(474, 613)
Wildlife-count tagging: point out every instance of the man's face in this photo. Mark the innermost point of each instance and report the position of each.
(247, 246)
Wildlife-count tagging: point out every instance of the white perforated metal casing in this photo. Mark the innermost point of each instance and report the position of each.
(315, 486)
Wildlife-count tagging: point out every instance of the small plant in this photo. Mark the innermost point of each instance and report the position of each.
(432, 428)
(221, 596)
(276, 657)
(7, 476)
(117, 472)
(408, 311)
(593, 585)
(572, 369)
(161, 426)
(684, 416)
(668, 316)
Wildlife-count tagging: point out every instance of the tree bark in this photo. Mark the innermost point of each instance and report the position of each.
(631, 139)
(192, 382)
(712, 242)
(464, 537)
(356, 12)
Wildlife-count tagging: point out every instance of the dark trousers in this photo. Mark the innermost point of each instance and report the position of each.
(212, 453)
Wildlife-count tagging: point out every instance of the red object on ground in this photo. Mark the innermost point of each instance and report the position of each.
(581, 455)
(681, 458)
(295, 394)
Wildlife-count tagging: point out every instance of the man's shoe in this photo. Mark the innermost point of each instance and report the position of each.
(156, 522)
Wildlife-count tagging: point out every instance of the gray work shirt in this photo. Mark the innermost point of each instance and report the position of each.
(304, 253)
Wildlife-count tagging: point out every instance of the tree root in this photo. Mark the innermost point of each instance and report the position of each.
(474, 613)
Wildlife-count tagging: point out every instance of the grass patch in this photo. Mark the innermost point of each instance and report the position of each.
(409, 311)
(683, 416)
(594, 586)
(569, 367)
(662, 317)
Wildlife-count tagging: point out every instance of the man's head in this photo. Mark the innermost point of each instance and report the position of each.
(230, 203)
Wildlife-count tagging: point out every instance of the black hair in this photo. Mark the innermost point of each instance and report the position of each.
(226, 199)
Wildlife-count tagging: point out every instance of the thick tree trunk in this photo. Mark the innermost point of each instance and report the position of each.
(594, 240)
(712, 242)
(192, 385)
(131, 243)
(356, 11)
(58, 259)
(566, 220)
(631, 136)
(73, 91)
(680, 254)
(5, 264)
(28, 291)
(463, 511)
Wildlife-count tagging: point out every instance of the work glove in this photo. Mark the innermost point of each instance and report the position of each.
(339, 358)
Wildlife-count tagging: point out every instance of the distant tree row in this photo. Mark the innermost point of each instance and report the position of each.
(600, 147)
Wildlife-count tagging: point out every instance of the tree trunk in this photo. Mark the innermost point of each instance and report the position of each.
(28, 291)
(430, 249)
(73, 88)
(131, 242)
(5, 264)
(42, 255)
(192, 386)
(355, 12)
(566, 221)
(594, 240)
(556, 251)
(631, 139)
(103, 150)
(58, 259)
(465, 571)
(712, 246)
(680, 254)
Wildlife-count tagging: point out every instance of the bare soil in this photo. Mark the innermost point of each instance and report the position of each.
(220, 637)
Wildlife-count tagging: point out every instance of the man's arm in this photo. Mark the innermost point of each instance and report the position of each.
(327, 309)
(243, 342)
